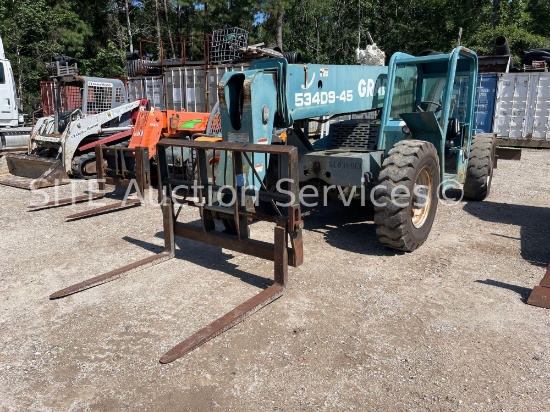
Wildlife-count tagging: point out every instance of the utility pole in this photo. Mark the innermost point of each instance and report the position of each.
(205, 17)
(496, 12)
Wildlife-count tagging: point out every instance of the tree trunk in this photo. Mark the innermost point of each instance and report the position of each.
(161, 57)
(169, 30)
(318, 38)
(280, 14)
(178, 20)
(496, 12)
(205, 17)
(128, 27)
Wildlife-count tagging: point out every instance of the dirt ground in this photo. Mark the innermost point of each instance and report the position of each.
(360, 327)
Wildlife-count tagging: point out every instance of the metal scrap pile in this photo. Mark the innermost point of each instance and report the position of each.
(255, 51)
(370, 56)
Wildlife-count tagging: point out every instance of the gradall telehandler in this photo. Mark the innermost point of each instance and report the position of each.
(416, 143)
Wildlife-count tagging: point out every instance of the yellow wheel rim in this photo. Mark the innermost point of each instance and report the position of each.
(421, 199)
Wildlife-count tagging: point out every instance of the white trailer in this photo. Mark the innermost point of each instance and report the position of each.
(13, 134)
(522, 111)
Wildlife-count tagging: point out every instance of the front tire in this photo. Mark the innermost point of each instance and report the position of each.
(407, 195)
(481, 161)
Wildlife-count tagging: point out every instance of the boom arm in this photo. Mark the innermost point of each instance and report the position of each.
(78, 130)
(275, 94)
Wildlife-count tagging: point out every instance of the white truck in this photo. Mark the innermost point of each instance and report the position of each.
(13, 133)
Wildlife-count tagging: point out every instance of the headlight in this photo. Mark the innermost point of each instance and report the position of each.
(406, 129)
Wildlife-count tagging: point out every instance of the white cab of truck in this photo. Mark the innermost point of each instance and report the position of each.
(12, 136)
(9, 104)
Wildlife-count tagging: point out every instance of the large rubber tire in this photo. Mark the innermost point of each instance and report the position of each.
(410, 163)
(481, 160)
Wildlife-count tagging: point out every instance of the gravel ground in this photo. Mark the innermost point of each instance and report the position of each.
(360, 327)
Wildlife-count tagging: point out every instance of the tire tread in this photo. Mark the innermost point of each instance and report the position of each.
(398, 169)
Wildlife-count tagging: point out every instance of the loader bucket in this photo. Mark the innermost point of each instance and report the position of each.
(31, 171)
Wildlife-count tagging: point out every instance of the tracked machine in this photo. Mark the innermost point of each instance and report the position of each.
(414, 140)
(89, 111)
(133, 164)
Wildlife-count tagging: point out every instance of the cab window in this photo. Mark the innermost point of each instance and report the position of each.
(404, 91)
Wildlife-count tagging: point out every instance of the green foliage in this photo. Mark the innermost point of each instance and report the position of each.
(25, 34)
(70, 33)
(519, 40)
(108, 62)
(539, 11)
(96, 32)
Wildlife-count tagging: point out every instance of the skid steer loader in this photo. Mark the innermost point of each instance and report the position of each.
(414, 141)
(62, 145)
(131, 165)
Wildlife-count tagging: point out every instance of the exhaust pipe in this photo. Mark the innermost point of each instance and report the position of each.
(501, 46)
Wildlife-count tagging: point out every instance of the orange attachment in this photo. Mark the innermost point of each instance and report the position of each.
(153, 125)
(208, 139)
(186, 122)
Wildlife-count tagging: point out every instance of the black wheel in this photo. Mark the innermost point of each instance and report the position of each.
(480, 167)
(79, 165)
(407, 195)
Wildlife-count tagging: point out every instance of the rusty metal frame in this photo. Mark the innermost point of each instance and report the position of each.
(287, 248)
(67, 201)
(183, 41)
(120, 175)
(540, 295)
(287, 228)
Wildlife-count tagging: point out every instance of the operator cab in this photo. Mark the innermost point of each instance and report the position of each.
(432, 99)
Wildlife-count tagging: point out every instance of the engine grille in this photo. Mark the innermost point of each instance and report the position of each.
(357, 134)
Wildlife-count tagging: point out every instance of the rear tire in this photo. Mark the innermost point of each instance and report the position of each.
(481, 160)
(407, 195)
